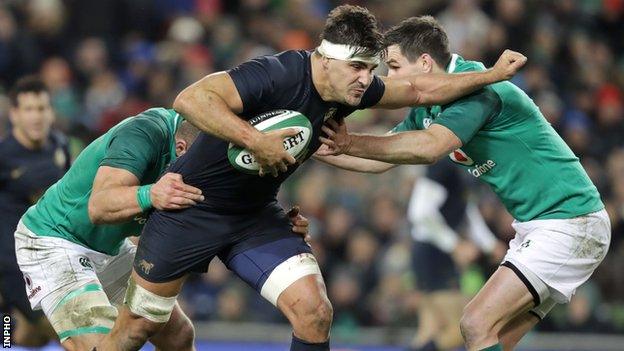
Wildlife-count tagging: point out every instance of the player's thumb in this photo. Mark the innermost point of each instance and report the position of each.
(293, 212)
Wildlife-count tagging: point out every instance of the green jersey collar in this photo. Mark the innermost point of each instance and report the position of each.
(453, 64)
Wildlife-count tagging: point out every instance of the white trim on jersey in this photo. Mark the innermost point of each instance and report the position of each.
(452, 64)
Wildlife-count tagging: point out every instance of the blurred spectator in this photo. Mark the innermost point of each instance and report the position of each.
(467, 26)
(57, 75)
(19, 54)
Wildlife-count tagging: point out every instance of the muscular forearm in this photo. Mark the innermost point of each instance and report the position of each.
(356, 164)
(209, 112)
(114, 205)
(398, 148)
(440, 88)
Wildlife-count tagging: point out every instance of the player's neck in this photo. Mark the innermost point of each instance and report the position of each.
(26, 142)
(437, 69)
(320, 81)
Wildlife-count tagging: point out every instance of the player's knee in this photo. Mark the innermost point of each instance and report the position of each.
(472, 325)
(316, 315)
(184, 338)
(180, 336)
(324, 315)
(140, 330)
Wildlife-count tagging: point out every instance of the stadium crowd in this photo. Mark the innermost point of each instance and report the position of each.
(106, 60)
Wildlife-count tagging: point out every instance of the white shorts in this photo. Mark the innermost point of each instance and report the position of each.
(554, 257)
(54, 267)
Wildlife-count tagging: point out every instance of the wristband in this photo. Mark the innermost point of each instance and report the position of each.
(143, 197)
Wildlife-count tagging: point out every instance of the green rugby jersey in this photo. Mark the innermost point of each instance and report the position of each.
(508, 144)
(143, 144)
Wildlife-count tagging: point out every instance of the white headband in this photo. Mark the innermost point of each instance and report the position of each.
(345, 52)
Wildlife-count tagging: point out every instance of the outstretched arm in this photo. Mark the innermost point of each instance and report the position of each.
(441, 88)
(351, 163)
(413, 147)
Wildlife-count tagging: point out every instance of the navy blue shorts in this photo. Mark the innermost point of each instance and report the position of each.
(251, 245)
(434, 268)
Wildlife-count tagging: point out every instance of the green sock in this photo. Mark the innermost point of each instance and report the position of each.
(496, 347)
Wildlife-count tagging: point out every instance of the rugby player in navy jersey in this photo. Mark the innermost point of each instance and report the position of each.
(240, 221)
(32, 157)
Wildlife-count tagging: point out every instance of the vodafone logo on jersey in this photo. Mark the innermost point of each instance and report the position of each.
(458, 156)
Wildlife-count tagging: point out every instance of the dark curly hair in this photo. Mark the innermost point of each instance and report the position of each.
(355, 26)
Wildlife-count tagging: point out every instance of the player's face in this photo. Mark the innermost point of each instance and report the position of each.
(349, 80)
(399, 66)
(33, 116)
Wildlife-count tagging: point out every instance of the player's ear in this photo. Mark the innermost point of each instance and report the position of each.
(180, 147)
(427, 63)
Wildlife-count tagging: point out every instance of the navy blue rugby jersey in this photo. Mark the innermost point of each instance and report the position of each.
(25, 175)
(282, 81)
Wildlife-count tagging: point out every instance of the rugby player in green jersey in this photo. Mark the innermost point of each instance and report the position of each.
(72, 246)
(498, 135)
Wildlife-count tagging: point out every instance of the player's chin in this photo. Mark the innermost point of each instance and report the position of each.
(37, 135)
(353, 100)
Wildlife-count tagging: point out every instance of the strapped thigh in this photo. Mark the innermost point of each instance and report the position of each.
(148, 305)
(83, 311)
(272, 267)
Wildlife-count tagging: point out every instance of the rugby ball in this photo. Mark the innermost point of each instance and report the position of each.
(297, 145)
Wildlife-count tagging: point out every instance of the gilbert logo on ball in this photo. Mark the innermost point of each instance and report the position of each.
(296, 145)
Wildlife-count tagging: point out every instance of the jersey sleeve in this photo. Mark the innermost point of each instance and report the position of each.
(409, 123)
(258, 80)
(373, 94)
(466, 116)
(135, 146)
